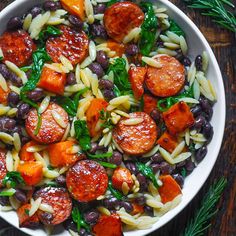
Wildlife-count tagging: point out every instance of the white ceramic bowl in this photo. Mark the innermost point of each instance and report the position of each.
(197, 43)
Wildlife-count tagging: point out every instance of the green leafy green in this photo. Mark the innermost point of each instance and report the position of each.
(106, 118)
(52, 184)
(46, 33)
(7, 193)
(13, 178)
(148, 29)
(26, 68)
(98, 156)
(117, 194)
(1, 58)
(107, 164)
(200, 223)
(27, 211)
(121, 81)
(82, 134)
(174, 27)
(147, 172)
(184, 172)
(78, 219)
(166, 103)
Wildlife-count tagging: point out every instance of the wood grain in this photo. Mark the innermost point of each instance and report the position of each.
(223, 44)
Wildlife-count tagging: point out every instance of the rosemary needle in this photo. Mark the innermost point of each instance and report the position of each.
(200, 223)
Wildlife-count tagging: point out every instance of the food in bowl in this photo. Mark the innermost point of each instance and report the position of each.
(103, 115)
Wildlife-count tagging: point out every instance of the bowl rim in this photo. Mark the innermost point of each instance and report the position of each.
(9, 9)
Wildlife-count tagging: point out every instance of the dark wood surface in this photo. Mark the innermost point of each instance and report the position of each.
(223, 44)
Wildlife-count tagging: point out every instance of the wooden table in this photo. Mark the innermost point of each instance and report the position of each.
(223, 44)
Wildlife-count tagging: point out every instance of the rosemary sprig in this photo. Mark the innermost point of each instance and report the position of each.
(200, 223)
(218, 10)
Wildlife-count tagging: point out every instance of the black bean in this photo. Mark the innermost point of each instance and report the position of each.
(98, 30)
(140, 200)
(179, 179)
(61, 179)
(20, 196)
(36, 95)
(116, 158)
(94, 148)
(102, 59)
(157, 158)
(108, 94)
(180, 164)
(200, 154)
(97, 69)
(196, 110)
(4, 201)
(199, 122)
(180, 55)
(132, 167)
(51, 6)
(47, 217)
(131, 50)
(35, 11)
(128, 206)
(23, 110)
(206, 107)
(160, 44)
(149, 211)
(198, 62)
(7, 74)
(14, 23)
(142, 181)
(166, 168)
(70, 79)
(155, 167)
(91, 217)
(100, 8)
(186, 61)
(76, 22)
(4, 71)
(155, 114)
(207, 131)
(83, 232)
(69, 224)
(105, 84)
(189, 166)
(13, 99)
(7, 124)
(24, 139)
(111, 203)
(17, 129)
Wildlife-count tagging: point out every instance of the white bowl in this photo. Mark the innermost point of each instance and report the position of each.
(197, 43)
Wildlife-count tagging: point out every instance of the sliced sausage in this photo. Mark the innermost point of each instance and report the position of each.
(17, 47)
(108, 225)
(59, 200)
(3, 168)
(167, 80)
(50, 131)
(86, 180)
(71, 44)
(136, 139)
(122, 17)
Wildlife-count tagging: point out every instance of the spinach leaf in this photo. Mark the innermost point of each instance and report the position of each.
(107, 164)
(78, 219)
(13, 178)
(26, 68)
(121, 81)
(148, 29)
(102, 155)
(40, 56)
(166, 103)
(7, 193)
(105, 116)
(82, 134)
(147, 172)
(1, 58)
(184, 172)
(77, 96)
(117, 194)
(46, 33)
(175, 28)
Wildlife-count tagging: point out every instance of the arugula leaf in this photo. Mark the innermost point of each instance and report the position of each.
(148, 29)
(40, 56)
(174, 27)
(46, 33)
(121, 81)
(107, 164)
(166, 103)
(117, 194)
(102, 155)
(78, 219)
(8, 193)
(13, 178)
(147, 172)
(82, 134)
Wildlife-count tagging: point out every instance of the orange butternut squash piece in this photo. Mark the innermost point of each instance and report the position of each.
(75, 7)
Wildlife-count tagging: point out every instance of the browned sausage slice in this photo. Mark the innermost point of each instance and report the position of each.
(122, 17)
(50, 131)
(167, 80)
(17, 47)
(71, 43)
(86, 180)
(3, 168)
(136, 139)
(59, 200)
